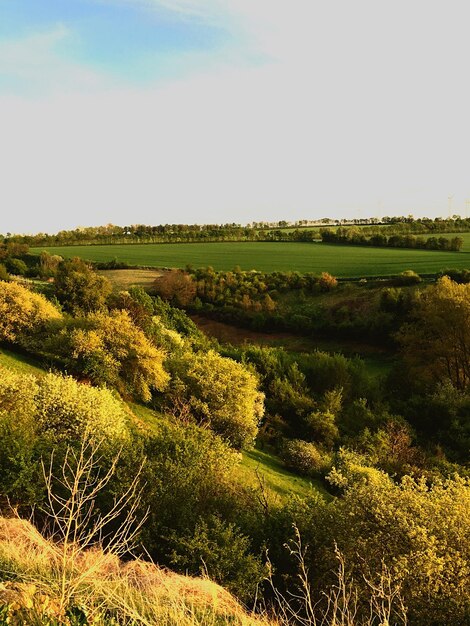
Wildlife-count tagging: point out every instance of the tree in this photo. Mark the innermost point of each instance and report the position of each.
(218, 392)
(436, 343)
(176, 286)
(23, 312)
(111, 349)
(79, 289)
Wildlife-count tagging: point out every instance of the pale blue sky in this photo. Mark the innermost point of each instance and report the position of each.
(155, 111)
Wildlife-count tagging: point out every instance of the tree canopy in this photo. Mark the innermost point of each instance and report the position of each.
(436, 343)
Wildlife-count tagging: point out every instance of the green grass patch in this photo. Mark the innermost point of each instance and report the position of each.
(20, 363)
(339, 260)
(259, 467)
(256, 465)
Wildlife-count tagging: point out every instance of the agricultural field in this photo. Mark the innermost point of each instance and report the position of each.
(342, 261)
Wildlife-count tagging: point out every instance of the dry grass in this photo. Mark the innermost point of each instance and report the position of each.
(123, 279)
(136, 592)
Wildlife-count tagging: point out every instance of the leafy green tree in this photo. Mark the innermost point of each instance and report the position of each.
(79, 289)
(436, 343)
(219, 392)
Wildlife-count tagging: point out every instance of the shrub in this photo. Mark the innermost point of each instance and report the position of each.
(23, 312)
(419, 530)
(16, 266)
(218, 392)
(110, 349)
(188, 475)
(70, 410)
(218, 549)
(176, 286)
(327, 282)
(408, 277)
(303, 457)
(61, 407)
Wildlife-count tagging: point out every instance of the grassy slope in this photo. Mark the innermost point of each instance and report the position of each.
(278, 481)
(255, 465)
(261, 468)
(20, 363)
(342, 261)
(103, 586)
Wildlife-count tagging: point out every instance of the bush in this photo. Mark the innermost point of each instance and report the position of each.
(408, 277)
(189, 474)
(176, 286)
(69, 411)
(23, 312)
(303, 457)
(219, 550)
(16, 267)
(327, 282)
(109, 349)
(79, 289)
(219, 393)
(420, 531)
(60, 407)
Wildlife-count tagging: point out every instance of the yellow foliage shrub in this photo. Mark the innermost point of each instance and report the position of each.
(61, 407)
(22, 311)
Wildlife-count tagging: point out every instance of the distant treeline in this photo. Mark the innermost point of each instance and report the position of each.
(258, 231)
(354, 236)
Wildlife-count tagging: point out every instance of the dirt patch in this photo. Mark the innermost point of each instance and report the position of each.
(227, 333)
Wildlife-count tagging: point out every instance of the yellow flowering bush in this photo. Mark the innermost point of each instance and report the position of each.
(22, 311)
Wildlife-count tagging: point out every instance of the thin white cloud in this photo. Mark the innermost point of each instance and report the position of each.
(36, 63)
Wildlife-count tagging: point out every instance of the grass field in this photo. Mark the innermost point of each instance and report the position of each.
(342, 261)
(259, 466)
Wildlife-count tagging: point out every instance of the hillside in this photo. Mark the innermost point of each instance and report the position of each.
(98, 588)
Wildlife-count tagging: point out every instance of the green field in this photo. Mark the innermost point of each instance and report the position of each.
(343, 261)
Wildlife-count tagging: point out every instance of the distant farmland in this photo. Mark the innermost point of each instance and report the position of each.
(342, 261)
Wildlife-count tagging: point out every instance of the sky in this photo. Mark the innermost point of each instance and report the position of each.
(215, 111)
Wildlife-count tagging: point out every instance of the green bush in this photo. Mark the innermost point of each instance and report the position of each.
(303, 457)
(218, 549)
(23, 312)
(59, 407)
(16, 266)
(217, 392)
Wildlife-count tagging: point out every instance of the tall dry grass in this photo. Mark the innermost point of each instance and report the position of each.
(104, 587)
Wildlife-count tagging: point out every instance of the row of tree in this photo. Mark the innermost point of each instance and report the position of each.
(174, 233)
(250, 291)
(356, 237)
